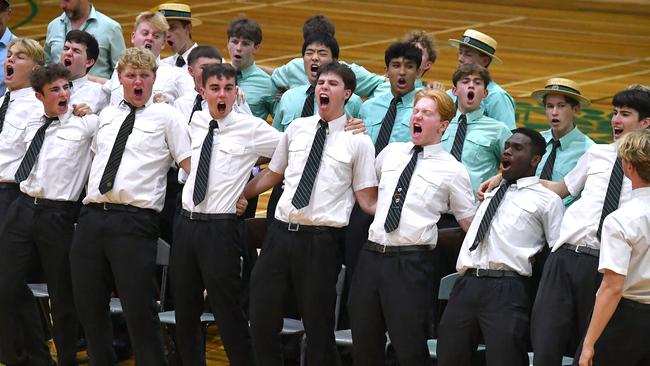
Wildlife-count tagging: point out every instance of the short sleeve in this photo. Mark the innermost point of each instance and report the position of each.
(615, 252)
(461, 197)
(552, 219)
(280, 158)
(500, 106)
(266, 139)
(363, 171)
(576, 178)
(178, 136)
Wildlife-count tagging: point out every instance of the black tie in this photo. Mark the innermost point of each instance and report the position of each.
(547, 171)
(197, 106)
(180, 62)
(399, 196)
(3, 109)
(303, 192)
(387, 126)
(32, 152)
(459, 140)
(489, 213)
(308, 106)
(239, 75)
(613, 194)
(110, 171)
(203, 170)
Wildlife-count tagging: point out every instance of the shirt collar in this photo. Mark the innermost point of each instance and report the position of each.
(471, 116)
(78, 83)
(407, 99)
(566, 140)
(527, 181)
(63, 118)
(6, 37)
(92, 15)
(641, 192)
(231, 118)
(21, 93)
(430, 151)
(335, 125)
(126, 107)
(187, 53)
(248, 71)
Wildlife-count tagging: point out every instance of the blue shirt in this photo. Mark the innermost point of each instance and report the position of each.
(498, 105)
(374, 109)
(290, 107)
(385, 87)
(259, 90)
(107, 32)
(4, 41)
(292, 74)
(484, 144)
(572, 146)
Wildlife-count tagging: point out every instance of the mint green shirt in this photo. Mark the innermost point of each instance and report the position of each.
(292, 74)
(374, 109)
(385, 87)
(259, 90)
(484, 144)
(107, 32)
(498, 105)
(572, 146)
(290, 107)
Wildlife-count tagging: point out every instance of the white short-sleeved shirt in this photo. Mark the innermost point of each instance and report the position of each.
(439, 183)
(347, 165)
(528, 218)
(625, 245)
(23, 105)
(237, 144)
(159, 136)
(171, 60)
(589, 179)
(63, 164)
(88, 92)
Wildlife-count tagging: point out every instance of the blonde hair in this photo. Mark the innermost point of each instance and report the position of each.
(634, 148)
(32, 48)
(156, 19)
(137, 58)
(445, 106)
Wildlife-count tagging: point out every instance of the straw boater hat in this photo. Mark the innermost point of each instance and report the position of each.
(563, 87)
(175, 11)
(479, 41)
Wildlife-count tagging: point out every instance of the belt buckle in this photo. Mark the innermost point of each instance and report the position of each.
(382, 249)
(35, 201)
(577, 250)
(104, 206)
(478, 272)
(293, 226)
(192, 216)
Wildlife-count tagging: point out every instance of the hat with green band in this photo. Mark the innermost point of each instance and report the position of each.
(175, 11)
(561, 86)
(479, 41)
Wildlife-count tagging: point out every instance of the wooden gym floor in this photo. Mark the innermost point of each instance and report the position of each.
(602, 44)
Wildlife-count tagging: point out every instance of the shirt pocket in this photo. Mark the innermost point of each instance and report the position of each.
(476, 149)
(522, 215)
(227, 152)
(69, 143)
(389, 173)
(10, 134)
(143, 138)
(427, 184)
(298, 154)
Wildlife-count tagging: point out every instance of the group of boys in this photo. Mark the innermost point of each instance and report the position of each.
(373, 201)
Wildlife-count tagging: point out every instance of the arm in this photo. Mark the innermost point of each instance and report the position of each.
(367, 199)
(267, 69)
(609, 295)
(186, 164)
(559, 188)
(465, 223)
(488, 185)
(355, 125)
(262, 182)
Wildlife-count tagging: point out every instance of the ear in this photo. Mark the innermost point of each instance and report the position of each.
(454, 92)
(443, 126)
(645, 123)
(202, 92)
(577, 109)
(89, 63)
(347, 93)
(534, 161)
(385, 71)
(191, 71)
(39, 96)
(485, 94)
(132, 37)
(256, 47)
(485, 61)
(426, 66)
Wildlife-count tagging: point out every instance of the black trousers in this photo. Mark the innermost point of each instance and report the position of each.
(8, 194)
(563, 306)
(310, 262)
(624, 340)
(498, 308)
(206, 255)
(32, 235)
(391, 292)
(122, 246)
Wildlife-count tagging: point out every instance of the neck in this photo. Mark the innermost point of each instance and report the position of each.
(329, 117)
(2, 30)
(186, 46)
(465, 110)
(397, 94)
(82, 15)
(559, 133)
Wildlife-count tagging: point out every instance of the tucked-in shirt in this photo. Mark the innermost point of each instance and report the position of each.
(4, 41)
(292, 74)
(259, 90)
(185, 104)
(171, 81)
(528, 218)
(292, 101)
(61, 170)
(159, 136)
(625, 248)
(237, 144)
(589, 179)
(347, 165)
(439, 184)
(171, 60)
(88, 92)
(374, 110)
(107, 32)
(498, 105)
(23, 105)
(484, 143)
(385, 87)
(572, 146)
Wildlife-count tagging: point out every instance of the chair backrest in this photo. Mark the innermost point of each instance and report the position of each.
(162, 259)
(340, 282)
(256, 231)
(446, 285)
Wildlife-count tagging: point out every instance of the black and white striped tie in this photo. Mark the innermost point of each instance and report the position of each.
(203, 170)
(196, 107)
(459, 140)
(308, 106)
(115, 158)
(180, 61)
(613, 195)
(387, 126)
(547, 171)
(34, 149)
(489, 213)
(3, 109)
(303, 192)
(399, 195)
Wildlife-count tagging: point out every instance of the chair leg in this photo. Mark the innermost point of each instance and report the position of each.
(303, 350)
(44, 307)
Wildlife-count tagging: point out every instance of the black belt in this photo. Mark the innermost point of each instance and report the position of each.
(8, 185)
(304, 228)
(42, 202)
(198, 216)
(581, 249)
(491, 273)
(635, 304)
(118, 207)
(391, 249)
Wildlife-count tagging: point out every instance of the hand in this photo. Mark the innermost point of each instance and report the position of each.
(81, 109)
(161, 98)
(355, 125)
(241, 96)
(436, 85)
(487, 186)
(242, 203)
(587, 356)
(279, 93)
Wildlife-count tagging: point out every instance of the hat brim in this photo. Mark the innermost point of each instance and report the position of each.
(456, 42)
(540, 93)
(194, 21)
